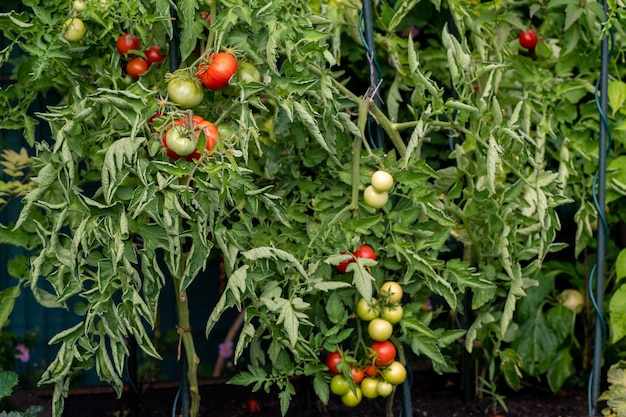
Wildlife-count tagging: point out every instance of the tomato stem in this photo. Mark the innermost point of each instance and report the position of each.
(377, 113)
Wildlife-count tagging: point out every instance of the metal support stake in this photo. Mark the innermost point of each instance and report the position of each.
(601, 235)
(378, 139)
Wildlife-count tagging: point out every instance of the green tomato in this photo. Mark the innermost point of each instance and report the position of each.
(369, 387)
(73, 29)
(79, 5)
(380, 329)
(352, 399)
(384, 388)
(391, 292)
(392, 313)
(179, 141)
(367, 311)
(248, 73)
(395, 373)
(339, 385)
(382, 181)
(373, 198)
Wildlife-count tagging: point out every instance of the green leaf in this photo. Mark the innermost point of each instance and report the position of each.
(7, 302)
(560, 370)
(617, 312)
(8, 380)
(616, 95)
(620, 266)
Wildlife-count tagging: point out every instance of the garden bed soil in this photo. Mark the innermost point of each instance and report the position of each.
(432, 395)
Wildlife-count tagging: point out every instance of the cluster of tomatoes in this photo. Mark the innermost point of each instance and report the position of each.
(381, 371)
(375, 194)
(129, 46)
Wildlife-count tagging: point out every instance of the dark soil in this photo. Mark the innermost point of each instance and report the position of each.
(431, 396)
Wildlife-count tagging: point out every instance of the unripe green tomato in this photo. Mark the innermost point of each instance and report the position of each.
(382, 181)
(339, 385)
(369, 387)
(392, 313)
(395, 373)
(572, 299)
(367, 311)
(384, 388)
(391, 292)
(352, 399)
(73, 29)
(373, 198)
(379, 329)
(79, 5)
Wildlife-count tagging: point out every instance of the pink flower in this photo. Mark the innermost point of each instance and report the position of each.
(23, 352)
(226, 349)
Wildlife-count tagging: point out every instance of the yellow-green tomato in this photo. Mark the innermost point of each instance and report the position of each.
(392, 313)
(73, 29)
(382, 181)
(79, 5)
(369, 387)
(367, 311)
(391, 292)
(352, 399)
(373, 198)
(384, 388)
(379, 329)
(339, 385)
(395, 373)
(572, 299)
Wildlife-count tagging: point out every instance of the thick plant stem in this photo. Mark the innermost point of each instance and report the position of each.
(186, 342)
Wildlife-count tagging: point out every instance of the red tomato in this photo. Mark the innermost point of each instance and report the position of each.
(332, 360)
(253, 406)
(217, 70)
(357, 375)
(137, 66)
(365, 251)
(528, 39)
(372, 371)
(341, 267)
(384, 352)
(126, 43)
(154, 55)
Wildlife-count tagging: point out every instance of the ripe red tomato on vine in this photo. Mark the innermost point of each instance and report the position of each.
(528, 39)
(127, 42)
(137, 66)
(217, 70)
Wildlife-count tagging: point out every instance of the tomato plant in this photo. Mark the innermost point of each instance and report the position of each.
(217, 71)
(126, 43)
(481, 139)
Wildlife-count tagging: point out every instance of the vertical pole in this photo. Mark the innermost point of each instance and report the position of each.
(602, 232)
(378, 139)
